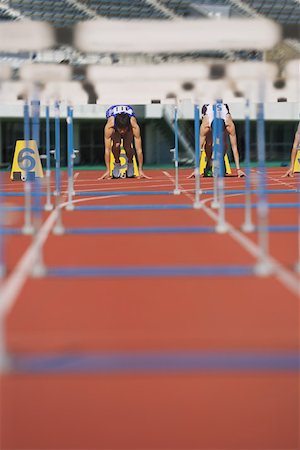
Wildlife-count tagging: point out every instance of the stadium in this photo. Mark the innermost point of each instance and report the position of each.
(149, 224)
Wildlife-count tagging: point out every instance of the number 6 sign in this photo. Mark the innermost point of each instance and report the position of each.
(26, 161)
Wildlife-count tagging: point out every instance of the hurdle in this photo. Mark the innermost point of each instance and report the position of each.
(263, 266)
(247, 225)
(71, 157)
(28, 227)
(215, 204)
(222, 226)
(38, 268)
(58, 227)
(176, 190)
(48, 205)
(197, 202)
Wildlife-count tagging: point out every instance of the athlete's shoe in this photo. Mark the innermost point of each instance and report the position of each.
(130, 170)
(208, 172)
(116, 170)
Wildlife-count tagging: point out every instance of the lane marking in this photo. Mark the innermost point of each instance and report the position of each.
(12, 285)
(287, 278)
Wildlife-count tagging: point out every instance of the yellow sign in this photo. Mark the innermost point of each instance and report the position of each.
(297, 162)
(26, 162)
(124, 164)
(203, 162)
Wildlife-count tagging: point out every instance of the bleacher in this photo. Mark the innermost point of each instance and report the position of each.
(283, 11)
(126, 9)
(66, 13)
(57, 12)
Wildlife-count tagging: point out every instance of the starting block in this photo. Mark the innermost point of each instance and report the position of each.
(26, 162)
(203, 162)
(124, 164)
(296, 168)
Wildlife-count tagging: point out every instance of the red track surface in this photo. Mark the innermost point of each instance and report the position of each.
(249, 411)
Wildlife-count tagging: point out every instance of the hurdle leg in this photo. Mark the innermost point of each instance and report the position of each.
(70, 205)
(38, 269)
(263, 266)
(248, 225)
(48, 205)
(5, 360)
(197, 202)
(176, 190)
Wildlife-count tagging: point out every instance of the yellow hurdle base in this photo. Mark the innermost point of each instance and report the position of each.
(124, 164)
(296, 168)
(203, 162)
(26, 162)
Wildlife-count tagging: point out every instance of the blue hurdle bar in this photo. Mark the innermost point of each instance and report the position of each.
(181, 206)
(158, 361)
(150, 207)
(139, 193)
(130, 207)
(105, 193)
(151, 271)
(149, 230)
(168, 230)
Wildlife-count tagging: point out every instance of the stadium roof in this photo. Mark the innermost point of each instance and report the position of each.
(63, 15)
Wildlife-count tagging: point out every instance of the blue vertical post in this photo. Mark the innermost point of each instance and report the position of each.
(221, 227)
(57, 149)
(28, 226)
(58, 227)
(4, 354)
(70, 145)
(47, 112)
(26, 112)
(217, 141)
(26, 122)
(263, 267)
(48, 205)
(35, 132)
(197, 203)
(176, 190)
(247, 225)
(215, 203)
(35, 121)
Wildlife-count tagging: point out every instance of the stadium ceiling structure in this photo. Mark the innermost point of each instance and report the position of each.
(63, 15)
(72, 39)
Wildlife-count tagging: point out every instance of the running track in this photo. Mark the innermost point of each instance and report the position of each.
(153, 362)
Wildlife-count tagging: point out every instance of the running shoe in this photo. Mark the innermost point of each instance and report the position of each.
(130, 170)
(208, 172)
(116, 170)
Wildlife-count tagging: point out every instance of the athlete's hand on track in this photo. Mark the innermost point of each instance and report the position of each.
(192, 175)
(106, 175)
(240, 173)
(289, 173)
(142, 175)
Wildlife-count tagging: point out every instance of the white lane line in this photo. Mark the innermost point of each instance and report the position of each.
(282, 183)
(230, 183)
(118, 188)
(287, 278)
(12, 285)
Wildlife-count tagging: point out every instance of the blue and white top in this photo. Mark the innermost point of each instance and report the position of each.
(114, 110)
(222, 110)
